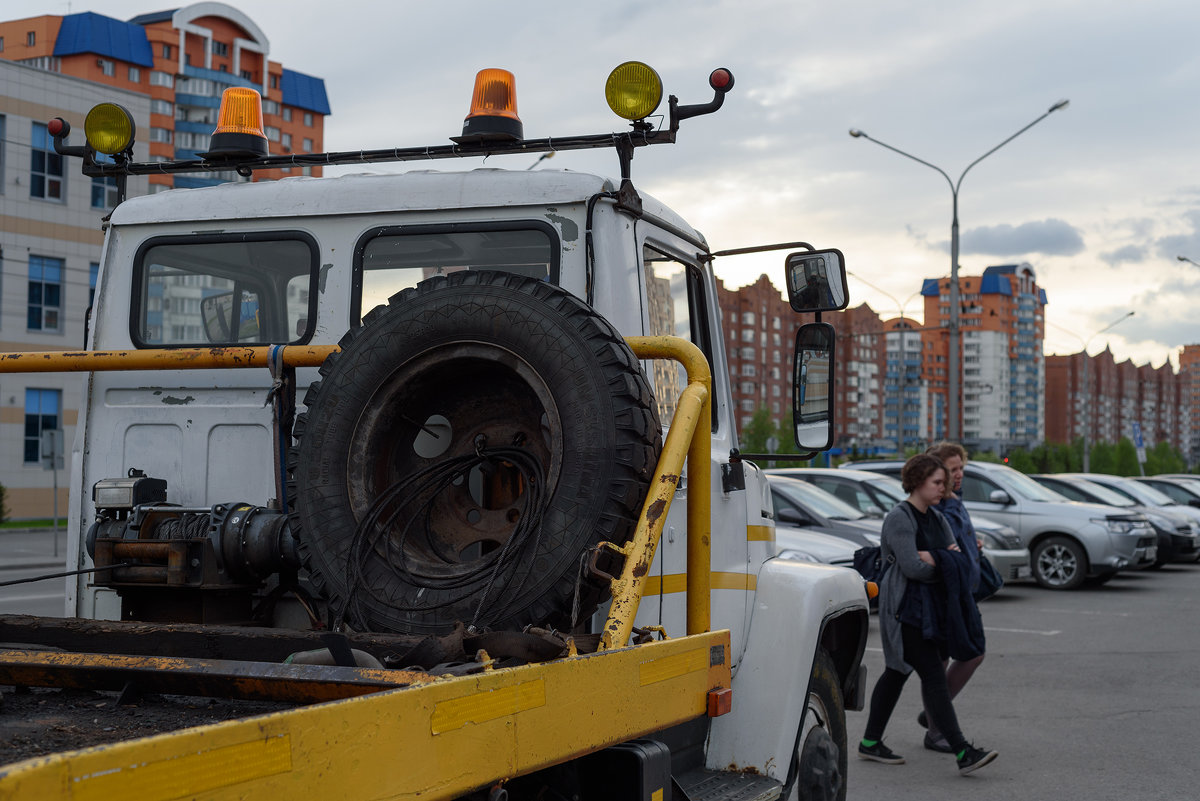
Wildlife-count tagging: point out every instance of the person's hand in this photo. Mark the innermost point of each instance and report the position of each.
(979, 542)
(953, 547)
(926, 557)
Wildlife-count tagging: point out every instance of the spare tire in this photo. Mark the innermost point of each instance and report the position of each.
(470, 442)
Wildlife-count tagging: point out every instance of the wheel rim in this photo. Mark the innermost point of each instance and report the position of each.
(426, 418)
(1057, 565)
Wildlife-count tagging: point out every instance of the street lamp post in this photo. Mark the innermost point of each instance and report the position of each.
(1189, 261)
(1087, 387)
(903, 356)
(953, 430)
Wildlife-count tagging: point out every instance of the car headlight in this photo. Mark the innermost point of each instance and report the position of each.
(1117, 525)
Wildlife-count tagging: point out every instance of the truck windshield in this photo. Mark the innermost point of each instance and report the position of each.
(395, 259)
(212, 290)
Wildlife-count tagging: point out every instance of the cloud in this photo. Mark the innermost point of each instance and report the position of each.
(1134, 253)
(1182, 244)
(1048, 237)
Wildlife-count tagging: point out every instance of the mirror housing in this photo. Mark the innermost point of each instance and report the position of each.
(812, 387)
(816, 281)
(1000, 497)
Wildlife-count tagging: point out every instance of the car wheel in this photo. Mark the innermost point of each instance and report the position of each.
(819, 769)
(1059, 563)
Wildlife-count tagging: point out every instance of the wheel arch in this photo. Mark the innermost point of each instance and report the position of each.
(1045, 535)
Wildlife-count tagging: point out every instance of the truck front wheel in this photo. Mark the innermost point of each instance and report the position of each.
(821, 745)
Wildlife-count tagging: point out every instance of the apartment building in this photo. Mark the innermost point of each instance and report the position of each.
(50, 241)
(181, 60)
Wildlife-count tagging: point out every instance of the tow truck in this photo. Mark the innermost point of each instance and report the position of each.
(507, 547)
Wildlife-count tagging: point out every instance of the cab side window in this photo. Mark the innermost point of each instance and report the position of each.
(675, 307)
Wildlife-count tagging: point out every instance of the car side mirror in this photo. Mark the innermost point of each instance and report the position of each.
(1001, 497)
(812, 387)
(816, 281)
(794, 517)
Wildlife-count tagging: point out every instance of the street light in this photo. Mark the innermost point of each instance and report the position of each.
(1189, 261)
(903, 356)
(953, 430)
(1087, 388)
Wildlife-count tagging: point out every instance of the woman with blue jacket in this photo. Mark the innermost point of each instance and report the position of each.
(920, 596)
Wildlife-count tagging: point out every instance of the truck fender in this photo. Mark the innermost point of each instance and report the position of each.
(799, 608)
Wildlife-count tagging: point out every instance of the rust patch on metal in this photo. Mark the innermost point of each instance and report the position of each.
(670, 478)
(656, 510)
(640, 569)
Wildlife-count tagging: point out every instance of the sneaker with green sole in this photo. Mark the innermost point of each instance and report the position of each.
(879, 753)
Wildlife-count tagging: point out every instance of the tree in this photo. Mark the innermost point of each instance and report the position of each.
(762, 427)
(1126, 462)
(1164, 458)
(1103, 458)
(1020, 459)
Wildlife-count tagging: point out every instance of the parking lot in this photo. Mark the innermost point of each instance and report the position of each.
(1092, 694)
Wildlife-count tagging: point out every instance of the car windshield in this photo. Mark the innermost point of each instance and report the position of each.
(890, 487)
(1107, 496)
(1029, 489)
(814, 499)
(1146, 494)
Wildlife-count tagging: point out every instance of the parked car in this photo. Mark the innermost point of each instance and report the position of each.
(1181, 490)
(1175, 531)
(1184, 543)
(801, 506)
(874, 494)
(1068, 542)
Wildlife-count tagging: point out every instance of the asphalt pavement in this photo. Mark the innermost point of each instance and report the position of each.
(33, 548)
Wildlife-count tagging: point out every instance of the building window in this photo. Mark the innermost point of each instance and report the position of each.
(220, 48)
(160, 135)
(135, 75)
(1, 44)
(160, 78)
(106, 67)
(274, 81)
(164, 107)
(166, 51)
(46, 167)
(248, 75)
(30, 39)
(270, 106)
(45, 292)
(2, 139)
(287, 115)
(104, 192)
(286, 140)
(308, 119)
(308, 145)
(41, 414)
(272, 133)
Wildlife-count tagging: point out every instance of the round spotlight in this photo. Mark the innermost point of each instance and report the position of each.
(109, 129)
(633, 90)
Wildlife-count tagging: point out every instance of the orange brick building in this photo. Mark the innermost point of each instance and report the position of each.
(182, 60)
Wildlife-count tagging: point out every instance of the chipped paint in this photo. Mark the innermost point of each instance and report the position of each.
(173, 401)
(569, 228)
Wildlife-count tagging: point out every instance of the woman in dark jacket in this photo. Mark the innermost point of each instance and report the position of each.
(915, 540)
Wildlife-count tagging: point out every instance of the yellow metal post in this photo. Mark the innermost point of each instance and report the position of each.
(690, 436)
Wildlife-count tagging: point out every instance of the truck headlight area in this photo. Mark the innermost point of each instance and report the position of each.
(109, 128)
(633, 90)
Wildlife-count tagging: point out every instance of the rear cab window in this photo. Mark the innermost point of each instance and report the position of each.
(221, 289)
(390, 259)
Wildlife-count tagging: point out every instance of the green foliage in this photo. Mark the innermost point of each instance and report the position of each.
(754, 437)
(984, 456)
(1103, 458)
(1126, 458)
(1020, 459)
(1164, 458)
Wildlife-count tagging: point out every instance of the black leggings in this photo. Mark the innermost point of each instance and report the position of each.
(924, 657)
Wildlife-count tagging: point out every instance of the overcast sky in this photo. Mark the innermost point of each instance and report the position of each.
(1100, 197)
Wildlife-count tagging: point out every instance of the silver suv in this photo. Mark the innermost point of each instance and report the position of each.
(1068, 542)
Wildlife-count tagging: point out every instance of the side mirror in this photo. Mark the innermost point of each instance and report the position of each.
(816, 281)
(793, 517)
(1000, 497)
(1194, 502)
(812, 387)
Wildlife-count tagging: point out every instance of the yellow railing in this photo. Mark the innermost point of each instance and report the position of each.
(689, 437)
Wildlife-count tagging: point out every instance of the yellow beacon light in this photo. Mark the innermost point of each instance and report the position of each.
(493, 114)
(109, 129)
(239, 126)
(633, 90)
